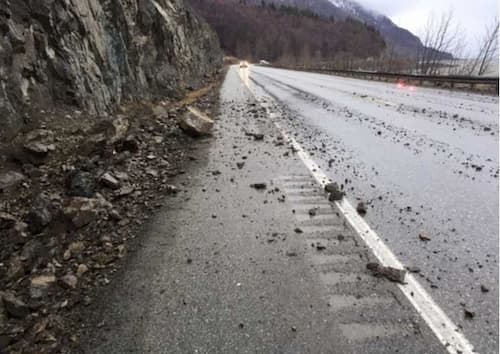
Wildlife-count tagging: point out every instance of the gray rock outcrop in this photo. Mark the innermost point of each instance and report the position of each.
(95, 54)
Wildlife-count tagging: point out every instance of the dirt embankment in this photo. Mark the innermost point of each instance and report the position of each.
(88, 141)
(73, 193)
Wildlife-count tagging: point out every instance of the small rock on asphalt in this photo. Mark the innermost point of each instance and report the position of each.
(469, 314)
(256, 136)
(390, 273)
(335, 192)
(320, 247)
(423, 236)
(361, 209)
(313, 211)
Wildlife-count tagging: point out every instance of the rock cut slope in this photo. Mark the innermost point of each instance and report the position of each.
(95, 54)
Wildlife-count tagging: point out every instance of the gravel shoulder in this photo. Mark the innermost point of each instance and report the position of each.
(75, 192)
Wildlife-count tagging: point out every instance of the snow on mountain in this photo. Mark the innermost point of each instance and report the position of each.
(355, 9)
(398, 39)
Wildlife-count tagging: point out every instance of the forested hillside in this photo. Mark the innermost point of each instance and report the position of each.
(287, 34)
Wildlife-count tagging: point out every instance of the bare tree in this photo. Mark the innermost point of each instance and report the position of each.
(441, 36)
(488, 49)
(479, 62)
(389, 62)
(458, 64)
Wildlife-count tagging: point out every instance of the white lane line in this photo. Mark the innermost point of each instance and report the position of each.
(442, 326)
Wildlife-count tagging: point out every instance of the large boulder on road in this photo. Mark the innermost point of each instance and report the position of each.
(196, 123)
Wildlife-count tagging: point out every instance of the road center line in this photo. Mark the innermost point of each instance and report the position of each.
(444, 329)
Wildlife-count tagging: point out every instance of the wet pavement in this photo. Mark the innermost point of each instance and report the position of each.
(250, 257)
(424, 161)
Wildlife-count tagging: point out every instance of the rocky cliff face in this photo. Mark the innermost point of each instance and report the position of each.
(94, 54)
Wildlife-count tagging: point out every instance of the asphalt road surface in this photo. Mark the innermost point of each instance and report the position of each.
(426, 161)
(230, 268)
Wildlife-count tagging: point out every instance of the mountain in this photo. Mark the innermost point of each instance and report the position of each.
(402, 41)
(256, 30)
(399, 40)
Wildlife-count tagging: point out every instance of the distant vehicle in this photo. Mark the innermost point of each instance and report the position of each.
(264, 62)
(243, 64)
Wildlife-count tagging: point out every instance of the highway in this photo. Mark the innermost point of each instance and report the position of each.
(425, 161)
(251, 257)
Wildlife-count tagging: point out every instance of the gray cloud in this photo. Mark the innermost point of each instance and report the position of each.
(413, 14)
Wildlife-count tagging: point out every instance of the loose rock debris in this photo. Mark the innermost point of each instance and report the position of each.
(390, 273)
(469, 314)
(195, 122)
(14, 306)
(320, 247)
(313, 211)
(108, 180)
(413, 269)
(361, 209)
(259, 186)
(484, 289)
(423, 236)
(256, 136)
(72, 194)
(10, 180)
(334, 191)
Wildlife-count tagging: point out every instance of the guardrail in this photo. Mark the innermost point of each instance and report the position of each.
(477, 84)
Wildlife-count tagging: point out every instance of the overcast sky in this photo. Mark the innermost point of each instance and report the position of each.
(412, 14)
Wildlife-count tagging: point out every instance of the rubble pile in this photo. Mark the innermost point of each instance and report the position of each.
(73, 193)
